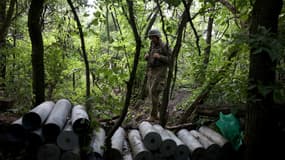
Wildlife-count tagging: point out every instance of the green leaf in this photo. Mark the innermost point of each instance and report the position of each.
(97, 14)
(95, 22)
(264, 90)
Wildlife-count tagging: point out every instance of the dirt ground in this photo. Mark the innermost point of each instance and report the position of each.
(141, 110)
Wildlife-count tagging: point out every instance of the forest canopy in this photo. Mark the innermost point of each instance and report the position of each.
(224, 52)
(216, 30)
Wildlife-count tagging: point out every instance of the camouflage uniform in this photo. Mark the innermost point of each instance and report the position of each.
(157, 71)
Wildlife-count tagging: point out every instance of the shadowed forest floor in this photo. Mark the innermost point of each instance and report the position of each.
(141, 110)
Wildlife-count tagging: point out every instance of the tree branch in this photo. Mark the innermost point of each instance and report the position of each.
(205, 92)
(87, 71)
(162, 21)
(124, 112)
(122, 39)
(150, 24)
(187, 8)
(174, 55)
(230, 7)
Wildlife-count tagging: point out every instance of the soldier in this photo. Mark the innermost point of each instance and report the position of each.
(158, 58)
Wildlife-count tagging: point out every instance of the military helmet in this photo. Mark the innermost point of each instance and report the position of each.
(154, 32)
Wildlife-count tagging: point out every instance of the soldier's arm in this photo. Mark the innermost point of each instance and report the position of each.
(166, 55)
(146, 56)
(163, 58)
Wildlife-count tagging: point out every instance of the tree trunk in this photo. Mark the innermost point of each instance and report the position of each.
(5, 22)
(85, 57)
(130, 83)
(260, 121)
(108, 29)
(34, 24)
(165, 98)
(192, 24)
(207, 50)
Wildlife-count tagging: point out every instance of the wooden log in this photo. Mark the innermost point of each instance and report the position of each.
(80, 119)
(48, 152)
(182, 152)
(67, 140)
(215, 110)
(108, 119)
(196, 149)
(138, 149)
(6, 103)
(168, 145)
(181, 126)
(36, 117)
(71, 155)
(127, 154)
(35, 138)
(98, 141)
(117, 140)
(56, 120)
(213, 150)
(151, 139)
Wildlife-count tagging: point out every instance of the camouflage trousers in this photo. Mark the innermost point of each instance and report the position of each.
(155, 84)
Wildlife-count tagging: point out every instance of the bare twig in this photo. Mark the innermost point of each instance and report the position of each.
(162, 21)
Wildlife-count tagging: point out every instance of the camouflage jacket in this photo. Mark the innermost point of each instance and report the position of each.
(165, 55)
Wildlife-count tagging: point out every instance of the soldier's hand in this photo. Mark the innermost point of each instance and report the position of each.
(146, 56)
(156, 55)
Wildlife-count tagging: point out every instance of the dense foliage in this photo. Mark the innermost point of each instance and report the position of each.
(110, 46)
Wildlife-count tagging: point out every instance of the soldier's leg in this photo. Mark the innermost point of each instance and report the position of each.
(161, 79)
(156, 90)
(155, 104)
(151, 86)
